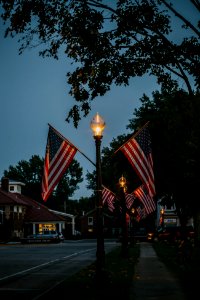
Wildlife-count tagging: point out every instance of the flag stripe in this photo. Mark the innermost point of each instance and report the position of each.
(108, 197)
(140, 163)
(59, 154)
(141, 213)
(145, 198)
(138, 152)
(60, 163)
(129, 200)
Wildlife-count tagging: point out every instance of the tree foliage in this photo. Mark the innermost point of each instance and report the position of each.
(175, 124)
(31, 172)
(109, 42)
(175, 131)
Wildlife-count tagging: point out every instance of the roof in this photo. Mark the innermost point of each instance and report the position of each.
(93, 211)
(35, 211)
(14, 182)
(7, 198)
(61, 213)
(39, 212)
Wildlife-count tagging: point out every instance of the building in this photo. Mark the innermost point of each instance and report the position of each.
(20, 215)
(167, 216)
(88, 224)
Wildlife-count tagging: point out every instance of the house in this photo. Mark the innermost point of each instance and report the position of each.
(70, 230)
(20, 215)
(88, 224)
(167, 216)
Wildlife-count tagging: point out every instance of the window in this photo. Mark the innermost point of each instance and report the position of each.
(90, 220)
(11, 188)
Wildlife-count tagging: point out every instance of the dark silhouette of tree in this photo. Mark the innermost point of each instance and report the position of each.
(110, 42)
(66, 187)
(175, 131)
(174, 123)
(31, 172)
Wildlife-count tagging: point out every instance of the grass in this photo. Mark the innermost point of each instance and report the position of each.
(119, 272)
(186, 269)
(114, 284)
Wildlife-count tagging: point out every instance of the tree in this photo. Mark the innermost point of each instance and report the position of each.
(31, 172)
(175, 131)
(109, 43)
(67, 186)
(175, 128)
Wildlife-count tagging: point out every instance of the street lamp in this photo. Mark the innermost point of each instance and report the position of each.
(97, 125)
(122, 183)
(123, 189)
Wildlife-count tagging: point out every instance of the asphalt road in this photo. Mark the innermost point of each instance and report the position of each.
(28, 271)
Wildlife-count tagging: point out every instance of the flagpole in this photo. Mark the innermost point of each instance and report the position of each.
(133, 136)
(64, 138)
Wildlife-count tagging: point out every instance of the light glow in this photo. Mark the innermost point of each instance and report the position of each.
(97, 125)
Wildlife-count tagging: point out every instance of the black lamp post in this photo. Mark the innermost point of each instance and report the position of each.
(162, 218)
(132, 224)
(97, 125)
(123, 188)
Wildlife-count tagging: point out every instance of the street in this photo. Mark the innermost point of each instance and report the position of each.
(28, 271)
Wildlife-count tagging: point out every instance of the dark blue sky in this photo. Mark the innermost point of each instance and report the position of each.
(33, 93)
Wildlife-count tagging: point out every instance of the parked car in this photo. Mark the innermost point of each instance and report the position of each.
(168, 234)
(61, 236)
(45, 237)
(175, 233)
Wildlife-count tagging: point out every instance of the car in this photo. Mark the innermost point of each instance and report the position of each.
(168, 234)
(61, 236)
(51, 234)
(45, 237)
(175, 233)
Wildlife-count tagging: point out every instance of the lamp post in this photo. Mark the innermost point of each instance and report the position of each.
(162, 218)
(133, 225)
(97, 125)
(123, 188)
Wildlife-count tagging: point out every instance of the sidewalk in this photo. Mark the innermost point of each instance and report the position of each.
(152, 280)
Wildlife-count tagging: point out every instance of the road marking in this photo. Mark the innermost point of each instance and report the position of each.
(47, 263)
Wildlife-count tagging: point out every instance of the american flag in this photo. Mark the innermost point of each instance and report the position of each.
(58, 156)
(129, 200)
(139, 153)
(142, 194)
(141, 213)
(108, 197)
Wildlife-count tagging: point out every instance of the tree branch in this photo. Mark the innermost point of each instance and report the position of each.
(187, 23)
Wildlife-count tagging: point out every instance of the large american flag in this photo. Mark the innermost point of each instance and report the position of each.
(139, 153)
(141, 213)
(58, 156)
(129, 200)
(108, 197)
(142, 194)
